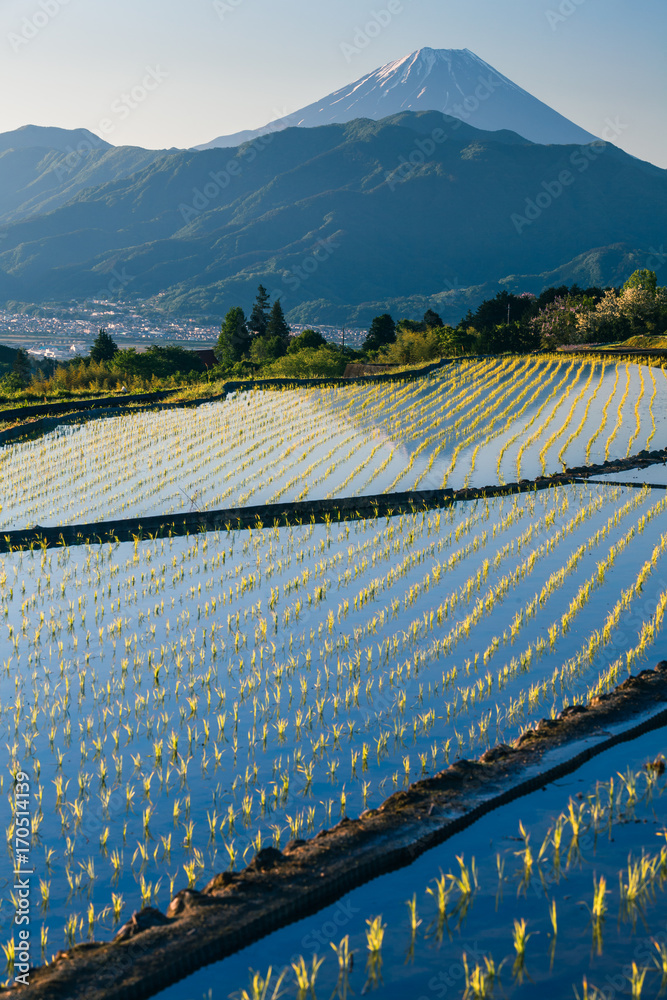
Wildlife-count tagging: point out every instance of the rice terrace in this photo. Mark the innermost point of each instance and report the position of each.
(191, 702)
(333, 500)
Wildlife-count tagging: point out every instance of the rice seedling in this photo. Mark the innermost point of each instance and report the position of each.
(45, 892)
(262, 988)
(520, 939)
(480, 981)
(117, 905)
(305, 977)
(588, 992)
(660, 961)
(466, 880)
(343, 954)
(10, 955)
(637, 981)
(414, 919)
(71, 929)
(599, 907)
(375, 934)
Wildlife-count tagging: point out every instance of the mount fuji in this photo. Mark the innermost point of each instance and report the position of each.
(453, 81)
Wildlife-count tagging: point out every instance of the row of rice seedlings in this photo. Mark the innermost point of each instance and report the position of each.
(589, 649)
(525, 426)
(543, 425)
(638, 419)
(620, 415)
(440, 419)
(512, 381)
(555, 434)
(649, 439)
(504, 418)
(574, 435)
(265, 447)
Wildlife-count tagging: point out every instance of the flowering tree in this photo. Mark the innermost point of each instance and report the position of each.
(562, 321)
(640, 307)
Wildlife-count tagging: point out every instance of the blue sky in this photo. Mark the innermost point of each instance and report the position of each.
(223, 65)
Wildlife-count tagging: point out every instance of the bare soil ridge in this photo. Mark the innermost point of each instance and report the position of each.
(306, 511)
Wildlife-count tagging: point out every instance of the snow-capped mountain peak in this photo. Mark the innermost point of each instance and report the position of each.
(454, 81)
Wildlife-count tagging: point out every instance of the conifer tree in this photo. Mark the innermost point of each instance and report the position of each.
(278, 327)
(382, 332)
(234, 340)
(104, 347)
(21, 366)
(259, 317)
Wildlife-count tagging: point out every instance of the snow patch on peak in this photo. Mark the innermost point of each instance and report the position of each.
(428, 58)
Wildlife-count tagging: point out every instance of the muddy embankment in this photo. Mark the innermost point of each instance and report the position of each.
(153, 949)
(306, 511)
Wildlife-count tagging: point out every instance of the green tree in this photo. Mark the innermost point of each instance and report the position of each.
(411, 347)
(381, 333)
(234, 340)
(278, 327)
(410, 326)
(260, 315)
(21, 366)
(642, 279)
(308, 338)
(432, 321)
(320, 362)
(103, 348)
(505, 306)
(457, 340)
(265, 349)
(158, 361)
(514, 337)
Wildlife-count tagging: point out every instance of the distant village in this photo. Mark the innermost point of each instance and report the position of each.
(70, 330)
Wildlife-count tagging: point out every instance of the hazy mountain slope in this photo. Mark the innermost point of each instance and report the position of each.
(453, 81)
(333, 217)
(43, 168)
(34, 180)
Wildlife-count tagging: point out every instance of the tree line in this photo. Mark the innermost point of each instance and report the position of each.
(520, 323)
(262, 344)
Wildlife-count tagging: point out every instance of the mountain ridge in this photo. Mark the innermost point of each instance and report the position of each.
(333, 217)
(63, 140)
